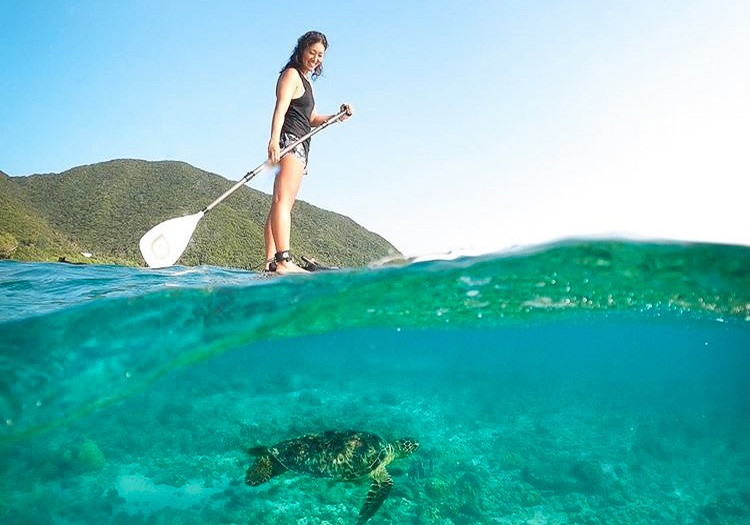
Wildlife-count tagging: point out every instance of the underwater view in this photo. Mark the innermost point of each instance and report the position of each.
(582, 382)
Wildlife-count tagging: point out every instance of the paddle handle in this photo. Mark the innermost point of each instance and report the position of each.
(251, 174)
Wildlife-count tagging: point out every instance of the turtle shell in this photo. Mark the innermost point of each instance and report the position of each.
(344, 455)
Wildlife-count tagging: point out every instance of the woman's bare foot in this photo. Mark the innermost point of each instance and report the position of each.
(289, 267)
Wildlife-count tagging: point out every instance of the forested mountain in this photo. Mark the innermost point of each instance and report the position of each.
(104, 208)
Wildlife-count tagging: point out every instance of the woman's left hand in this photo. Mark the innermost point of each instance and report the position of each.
(349, 111)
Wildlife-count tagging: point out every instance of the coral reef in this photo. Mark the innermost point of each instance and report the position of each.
(89, 456)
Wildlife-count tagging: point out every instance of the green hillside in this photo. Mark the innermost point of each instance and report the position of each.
(24, 234)
(105, 208)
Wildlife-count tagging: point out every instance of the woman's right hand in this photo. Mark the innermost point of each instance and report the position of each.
(273, 151)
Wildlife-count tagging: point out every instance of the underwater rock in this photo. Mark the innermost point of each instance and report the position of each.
(468, 513)
(89, 456)
(510, 460)
(575, 476)
(437, 488)
(588, 475)
(469, 488)
(310, 398)
(421, 469)
(428, 515)
(389, 399)
(724, 508)
(653, 447)
(584, 517)
(141, 493)
(530, 497)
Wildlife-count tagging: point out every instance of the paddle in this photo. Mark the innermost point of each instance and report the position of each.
(163, 244)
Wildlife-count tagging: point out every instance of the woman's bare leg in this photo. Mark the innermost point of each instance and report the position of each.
(268, 237)
(278, 226)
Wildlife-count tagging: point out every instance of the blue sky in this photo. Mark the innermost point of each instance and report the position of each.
(479, 125)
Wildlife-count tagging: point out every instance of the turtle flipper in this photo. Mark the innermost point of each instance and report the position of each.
(379, 489)
(264, 468)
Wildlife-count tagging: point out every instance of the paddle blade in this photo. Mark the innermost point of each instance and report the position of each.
(163, 244)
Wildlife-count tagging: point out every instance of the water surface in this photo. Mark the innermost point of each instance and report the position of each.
(583, 382)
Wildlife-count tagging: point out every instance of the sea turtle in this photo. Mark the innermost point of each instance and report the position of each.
(345, 455)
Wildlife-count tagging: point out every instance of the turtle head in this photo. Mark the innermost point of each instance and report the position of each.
(405, 447)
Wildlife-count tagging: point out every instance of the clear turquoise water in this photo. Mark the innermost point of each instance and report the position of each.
(584, 382)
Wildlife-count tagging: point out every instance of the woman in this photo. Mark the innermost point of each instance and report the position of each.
(293, 117)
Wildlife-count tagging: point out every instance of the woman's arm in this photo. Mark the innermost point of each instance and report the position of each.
(288, 84)
(316, 120)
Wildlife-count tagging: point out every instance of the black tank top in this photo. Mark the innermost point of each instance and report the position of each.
(297, 118)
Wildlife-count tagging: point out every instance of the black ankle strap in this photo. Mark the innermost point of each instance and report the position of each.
(282, 256)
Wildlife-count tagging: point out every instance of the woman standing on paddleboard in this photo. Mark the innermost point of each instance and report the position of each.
(293, 117)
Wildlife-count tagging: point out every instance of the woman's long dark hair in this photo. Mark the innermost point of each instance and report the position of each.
(303, 42)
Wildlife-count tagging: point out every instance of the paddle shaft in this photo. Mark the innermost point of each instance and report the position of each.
(251, 174)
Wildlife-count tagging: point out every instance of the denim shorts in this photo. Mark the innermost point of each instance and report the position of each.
(298, 150)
